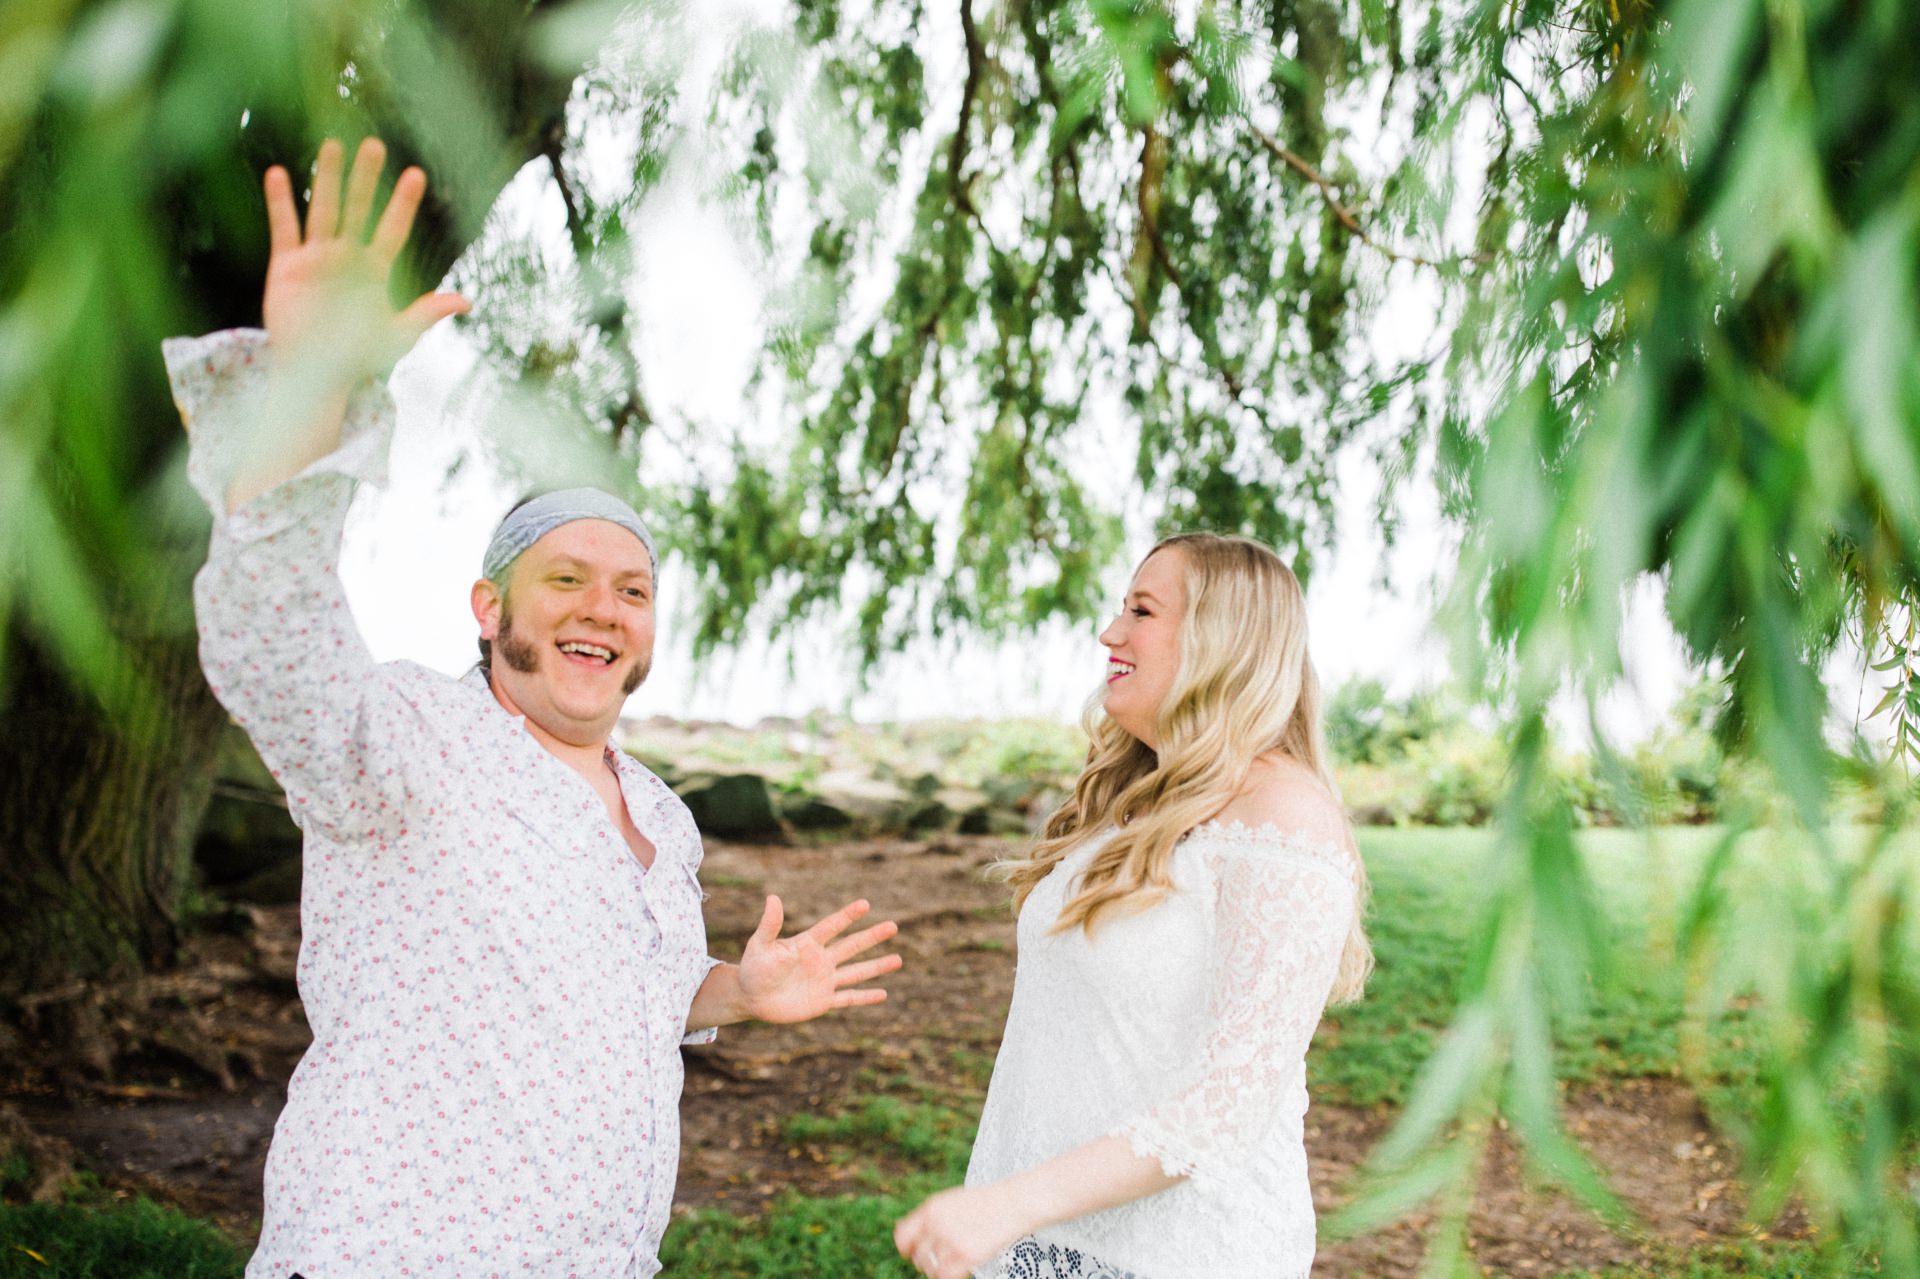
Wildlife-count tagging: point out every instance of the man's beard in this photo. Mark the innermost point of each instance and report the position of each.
(524, 657)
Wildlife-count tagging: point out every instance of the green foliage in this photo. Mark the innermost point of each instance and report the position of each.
(1102, 227)
(1675, 337)
(1364, 726)
(1635, 1012)
(1704, 247)
(131, 1241)
(1424, 760)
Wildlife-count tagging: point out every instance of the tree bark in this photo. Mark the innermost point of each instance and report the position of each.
(98, 818)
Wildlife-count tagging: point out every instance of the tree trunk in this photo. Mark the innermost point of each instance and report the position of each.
(97, 817)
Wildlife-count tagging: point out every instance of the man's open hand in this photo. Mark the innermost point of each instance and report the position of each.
(326, 299)
(329, 323)
(800, 977)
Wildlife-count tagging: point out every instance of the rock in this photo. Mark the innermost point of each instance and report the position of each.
(732, 805)
(927, 814)
(808, 812)
(994, 819)
(875, 804)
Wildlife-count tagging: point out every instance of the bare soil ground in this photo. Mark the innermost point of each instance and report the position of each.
(180, 1135)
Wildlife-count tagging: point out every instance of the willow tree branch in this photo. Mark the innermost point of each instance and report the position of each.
(1331, 195)
(1153, 161)
(957, 146)
(607, 307)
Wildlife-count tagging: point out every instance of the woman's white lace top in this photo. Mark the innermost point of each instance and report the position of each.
(1185, 1029)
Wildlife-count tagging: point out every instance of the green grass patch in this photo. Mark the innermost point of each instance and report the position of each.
(139, 1240)
(796, 1238)
(926, 1127)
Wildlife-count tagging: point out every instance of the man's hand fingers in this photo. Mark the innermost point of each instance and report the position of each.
(428, 310)
(854, 974)
(361, 185)
(859, 998)
(771, 919)
(283, 219)
(323, 211)
(396, 223)
(866, 939)
(838, 922)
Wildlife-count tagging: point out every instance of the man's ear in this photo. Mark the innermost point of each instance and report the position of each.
(488, 603)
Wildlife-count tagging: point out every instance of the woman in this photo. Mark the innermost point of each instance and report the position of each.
(1182, 922)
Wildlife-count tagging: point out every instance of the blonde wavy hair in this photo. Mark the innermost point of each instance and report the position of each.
(1244, 688)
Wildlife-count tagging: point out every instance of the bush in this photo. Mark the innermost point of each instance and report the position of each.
(1364, 726)
(1421, 761)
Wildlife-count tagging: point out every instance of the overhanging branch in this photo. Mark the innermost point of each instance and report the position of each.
(957, 147)
(1345, 216)
(606, 305)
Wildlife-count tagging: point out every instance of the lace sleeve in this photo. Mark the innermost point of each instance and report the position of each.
(277, 641)
(1283, 907)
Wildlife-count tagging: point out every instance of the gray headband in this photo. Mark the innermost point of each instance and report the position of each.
(534, 520)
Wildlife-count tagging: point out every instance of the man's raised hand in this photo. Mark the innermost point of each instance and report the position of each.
(326, 296)
(329, 323)
(800, 977)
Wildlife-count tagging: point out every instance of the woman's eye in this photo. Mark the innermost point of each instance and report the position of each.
(1137, 611)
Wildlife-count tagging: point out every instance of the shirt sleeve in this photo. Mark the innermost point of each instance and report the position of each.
(694, 1038)
(1281, 920)
(277, 640)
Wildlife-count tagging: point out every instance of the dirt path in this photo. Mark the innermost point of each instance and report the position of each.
(179, 1137)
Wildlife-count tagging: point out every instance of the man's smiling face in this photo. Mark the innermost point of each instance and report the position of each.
(573, 632)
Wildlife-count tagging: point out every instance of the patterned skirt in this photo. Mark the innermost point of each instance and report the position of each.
(1031, 1259)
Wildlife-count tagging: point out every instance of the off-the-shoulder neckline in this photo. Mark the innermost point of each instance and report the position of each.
(1234, 831)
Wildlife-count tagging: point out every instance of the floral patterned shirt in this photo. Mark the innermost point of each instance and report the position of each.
(498, 990)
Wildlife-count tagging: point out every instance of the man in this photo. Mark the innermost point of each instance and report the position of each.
(502, 941)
